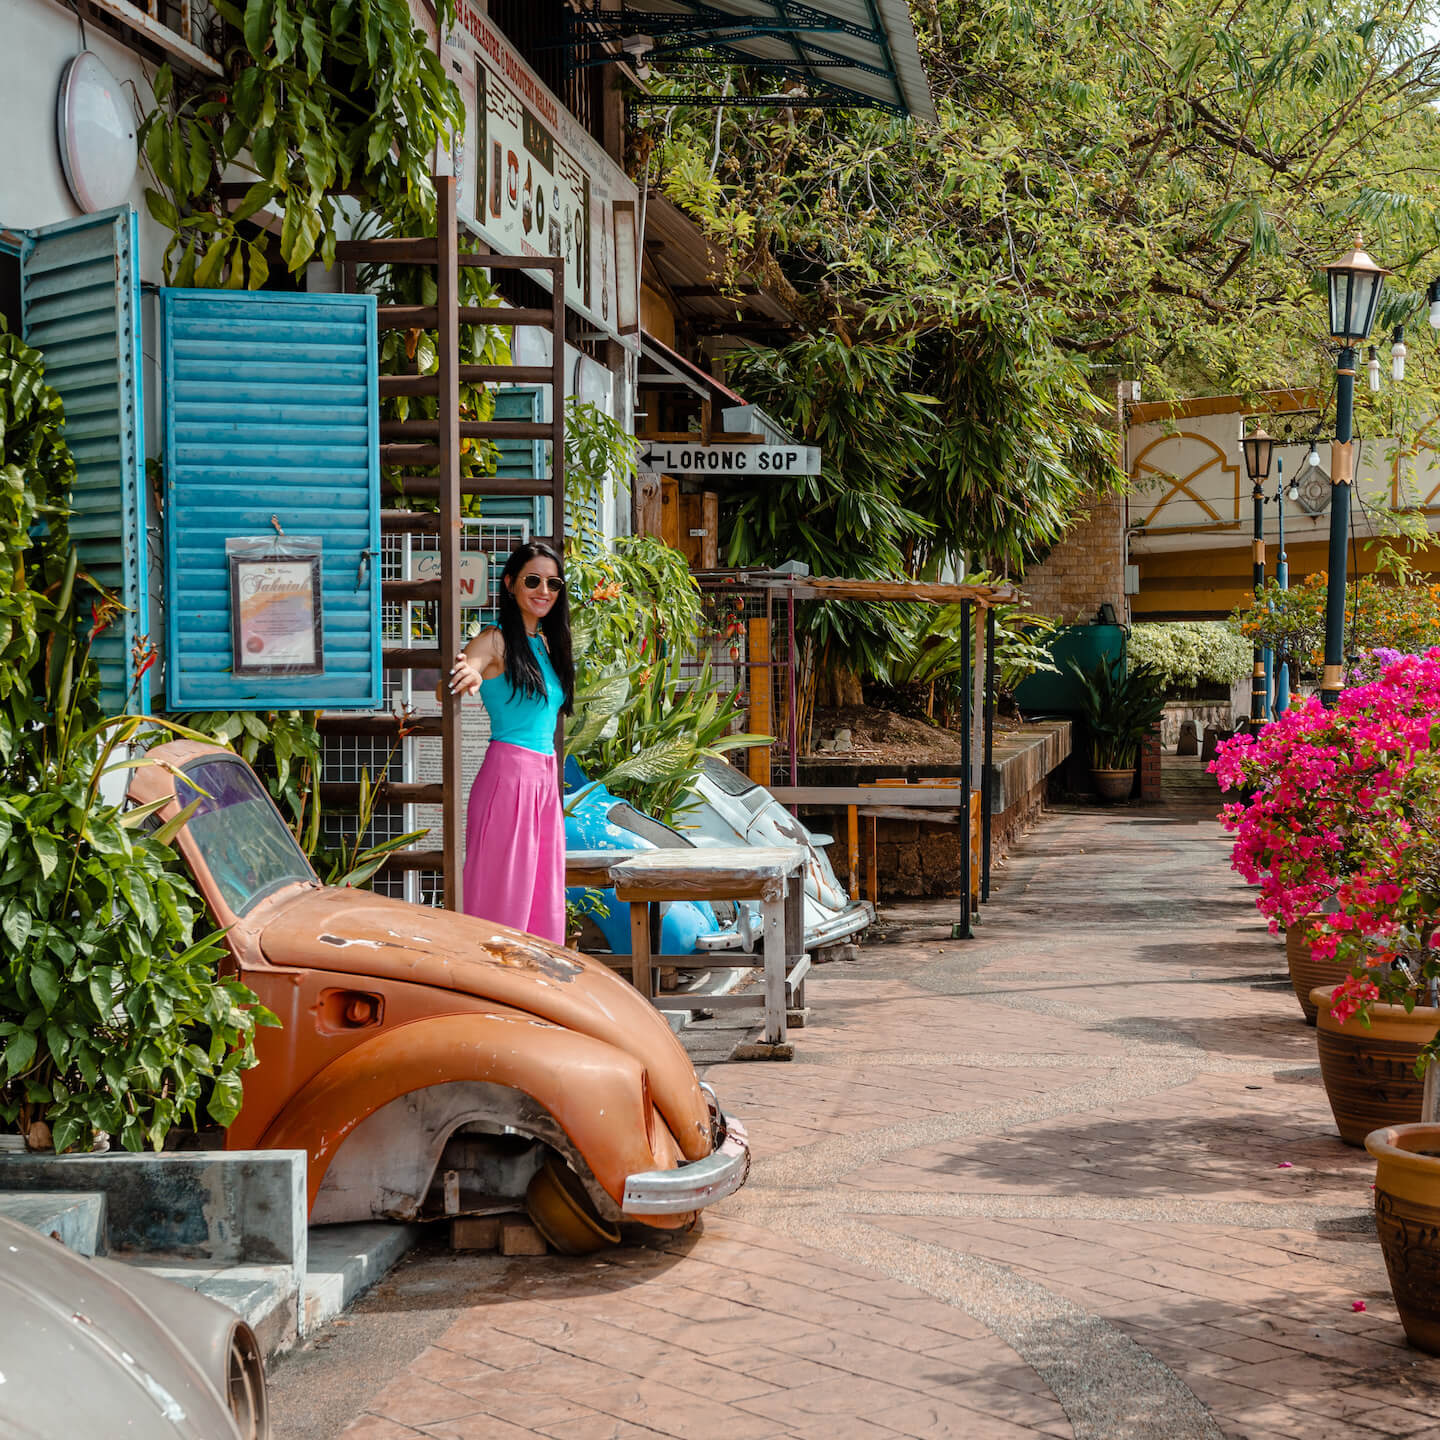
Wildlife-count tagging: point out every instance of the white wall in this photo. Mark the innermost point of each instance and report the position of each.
(37, 37)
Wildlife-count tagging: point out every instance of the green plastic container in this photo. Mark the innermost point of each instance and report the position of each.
(1059, 694)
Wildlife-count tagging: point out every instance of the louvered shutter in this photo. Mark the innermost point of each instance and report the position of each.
(520, 459)
(80, 306)
(271, 417)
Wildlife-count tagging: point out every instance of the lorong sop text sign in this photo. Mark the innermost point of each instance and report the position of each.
(658, 457)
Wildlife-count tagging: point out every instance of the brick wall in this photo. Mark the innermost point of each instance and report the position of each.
(1085, 569)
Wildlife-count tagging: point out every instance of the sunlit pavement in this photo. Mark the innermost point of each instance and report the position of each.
(1075, 1177)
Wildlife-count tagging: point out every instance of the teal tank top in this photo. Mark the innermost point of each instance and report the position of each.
(520, 719)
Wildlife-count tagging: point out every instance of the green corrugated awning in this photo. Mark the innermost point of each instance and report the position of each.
(843, 52)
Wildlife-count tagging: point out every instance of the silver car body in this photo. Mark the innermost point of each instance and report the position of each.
(97, 1348)
(734, 810)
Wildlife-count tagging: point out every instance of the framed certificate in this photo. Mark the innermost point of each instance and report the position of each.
(276, 620)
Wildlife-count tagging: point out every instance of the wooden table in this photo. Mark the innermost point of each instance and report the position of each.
(771, 875)
(591, 868)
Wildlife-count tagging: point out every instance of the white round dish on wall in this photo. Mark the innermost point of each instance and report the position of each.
(96, 133)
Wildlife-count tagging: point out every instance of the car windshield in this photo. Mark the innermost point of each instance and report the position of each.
(240, 834)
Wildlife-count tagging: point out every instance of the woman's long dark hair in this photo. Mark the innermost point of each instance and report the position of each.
(522, 670)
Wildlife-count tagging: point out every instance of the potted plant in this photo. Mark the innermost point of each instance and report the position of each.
(1120, 707)
(1386, 930)
(1407, 1216)
(1309, 781)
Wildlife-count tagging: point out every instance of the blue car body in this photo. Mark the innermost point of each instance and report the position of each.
(589, 827)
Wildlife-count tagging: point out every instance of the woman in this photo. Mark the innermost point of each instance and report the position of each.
(515, 831)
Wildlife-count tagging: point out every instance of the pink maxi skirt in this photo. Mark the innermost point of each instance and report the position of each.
(515, 843)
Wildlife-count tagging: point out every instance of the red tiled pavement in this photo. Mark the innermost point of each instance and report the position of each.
(1026, 1185)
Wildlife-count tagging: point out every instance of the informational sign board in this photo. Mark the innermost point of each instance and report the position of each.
(531, 181)
(658, 457)
(474, 573)
(276, 623)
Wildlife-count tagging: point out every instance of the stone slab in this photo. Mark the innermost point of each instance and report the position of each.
(77, 1220)
(228, 1206)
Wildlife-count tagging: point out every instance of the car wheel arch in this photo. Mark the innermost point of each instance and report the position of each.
(601, 1120)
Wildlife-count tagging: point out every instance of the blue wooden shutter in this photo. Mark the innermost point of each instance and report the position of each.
(270, 410)
(518, 458)
(80, 306)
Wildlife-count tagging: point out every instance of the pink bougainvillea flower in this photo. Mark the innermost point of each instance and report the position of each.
(1357, 1305)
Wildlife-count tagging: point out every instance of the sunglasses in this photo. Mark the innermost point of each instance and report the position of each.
(553, 583)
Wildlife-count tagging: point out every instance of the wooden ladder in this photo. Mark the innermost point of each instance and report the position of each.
(435, 445)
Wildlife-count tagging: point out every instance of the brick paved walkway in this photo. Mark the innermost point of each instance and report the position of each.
(1077, 1177)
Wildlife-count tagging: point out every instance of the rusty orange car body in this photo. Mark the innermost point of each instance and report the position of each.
(415, 1042)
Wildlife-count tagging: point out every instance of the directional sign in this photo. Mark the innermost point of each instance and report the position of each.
(661, 457)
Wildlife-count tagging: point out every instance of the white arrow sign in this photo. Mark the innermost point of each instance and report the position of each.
(660, 457)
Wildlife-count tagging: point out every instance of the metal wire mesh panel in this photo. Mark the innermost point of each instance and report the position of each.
(745, 641)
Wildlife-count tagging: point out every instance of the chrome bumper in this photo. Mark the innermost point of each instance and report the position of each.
(858, 915)
(693, 1186)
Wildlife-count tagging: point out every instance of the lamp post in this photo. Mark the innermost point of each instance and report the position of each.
(1355, 283)
(1258, 448)
(1283, 493)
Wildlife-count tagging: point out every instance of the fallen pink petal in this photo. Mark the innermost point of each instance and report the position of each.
(1357, 1305)
(1285, 1165)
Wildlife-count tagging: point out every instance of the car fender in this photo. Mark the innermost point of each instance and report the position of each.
(597, 1094)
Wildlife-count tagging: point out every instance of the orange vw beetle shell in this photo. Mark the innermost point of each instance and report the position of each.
(411, 1035)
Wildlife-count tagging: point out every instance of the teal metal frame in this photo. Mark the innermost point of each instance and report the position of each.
(80, 306)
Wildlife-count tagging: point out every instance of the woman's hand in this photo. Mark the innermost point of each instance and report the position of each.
(464, 676)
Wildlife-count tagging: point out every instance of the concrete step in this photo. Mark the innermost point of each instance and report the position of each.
(77, 1219)
(345, 1261)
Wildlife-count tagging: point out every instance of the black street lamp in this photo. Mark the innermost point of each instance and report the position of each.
(1258, 448)
(1355, 285)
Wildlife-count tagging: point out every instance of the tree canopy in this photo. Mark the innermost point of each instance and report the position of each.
(1146, 190)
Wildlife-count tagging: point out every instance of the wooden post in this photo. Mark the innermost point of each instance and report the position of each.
(710, 519)
(447, 282)
(557, 415)
(987, 800)
(966, 753)
(852, 835)
(757, 757)
(640, 946)
(670, 511)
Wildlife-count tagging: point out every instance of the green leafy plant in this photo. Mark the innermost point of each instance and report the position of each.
(589, 903)
(928, 661)
(644, 733)
(642, 725)
(314, 99)
(599, 453)
(1186, 653)
(113, 1014)
(1120, 706)
(352, 862)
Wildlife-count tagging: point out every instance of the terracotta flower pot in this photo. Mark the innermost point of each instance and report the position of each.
(1407, 1215)
(1369, 1072)
(1307, 974)
(1114, 784)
